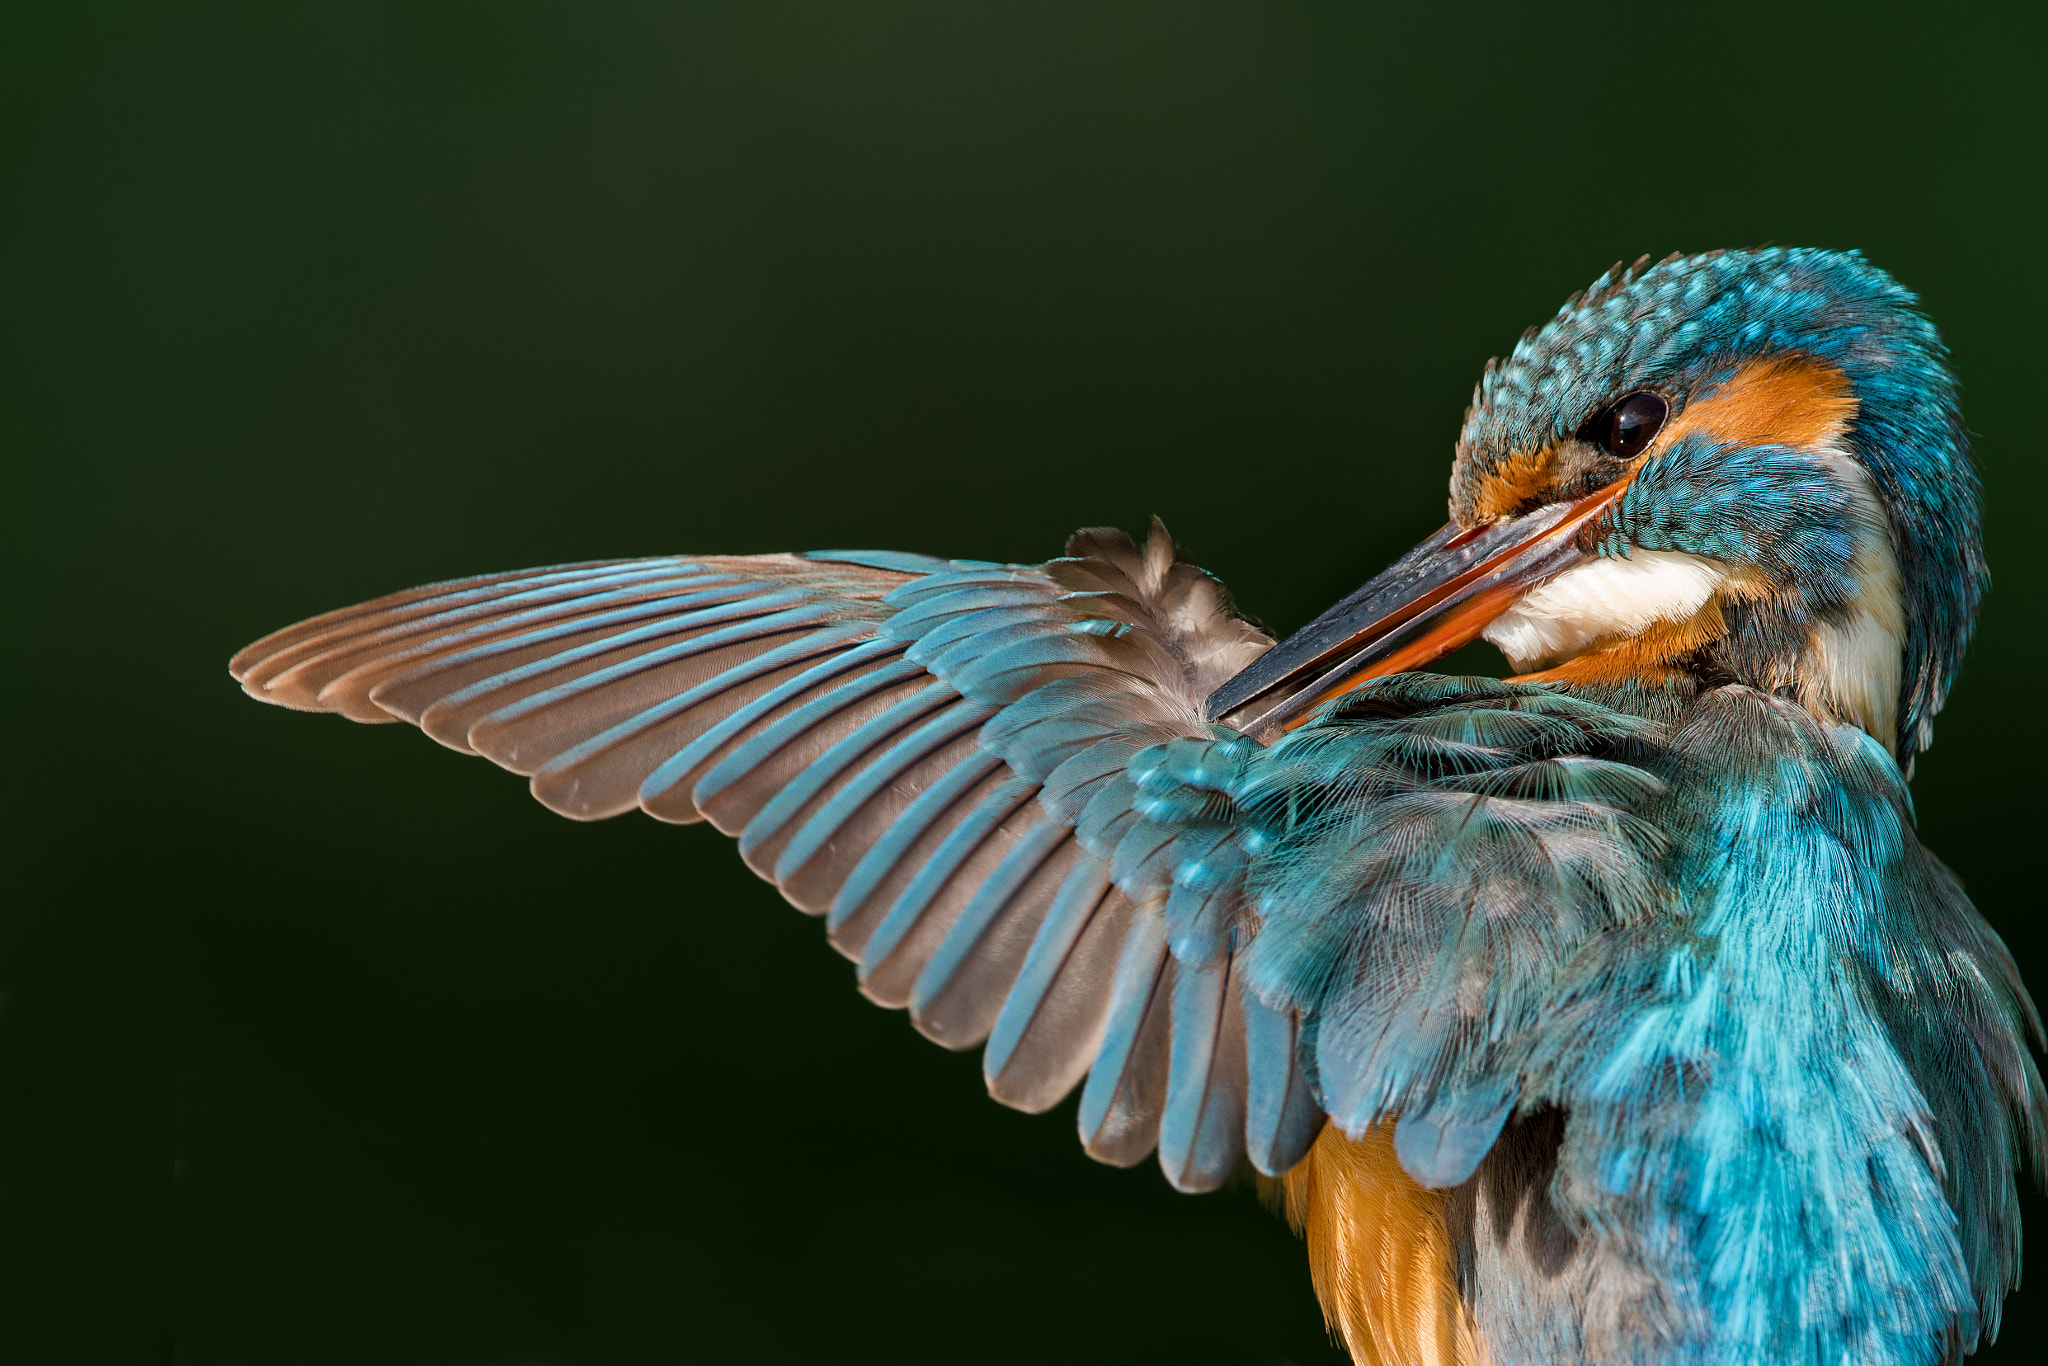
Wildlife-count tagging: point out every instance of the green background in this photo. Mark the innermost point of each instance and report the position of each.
(320, 1044)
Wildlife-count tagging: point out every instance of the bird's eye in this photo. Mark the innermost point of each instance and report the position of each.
(1632, 424)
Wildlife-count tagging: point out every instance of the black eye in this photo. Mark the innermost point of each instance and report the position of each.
(1632, 424)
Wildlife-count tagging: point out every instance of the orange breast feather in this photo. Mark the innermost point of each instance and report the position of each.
(1380, 1253)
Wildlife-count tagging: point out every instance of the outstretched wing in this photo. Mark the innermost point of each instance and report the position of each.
(929, 754)
(997, 786)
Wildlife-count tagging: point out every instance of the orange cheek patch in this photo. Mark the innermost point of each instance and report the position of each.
(1788, 401)
(1514, 483)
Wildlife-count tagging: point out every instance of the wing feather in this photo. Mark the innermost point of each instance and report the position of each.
(1056, 1045)
(881, 789)
(255, 665)
(809, 791)
(935, 899)
(525, 733)
(1201, 1130)
(735, 790)
(666, 792)
(602, 776)
(960, 988)
(408, 682)
(1282, 1117)
(933, 755)
(1126, 1087)
(298, 676)
(912, 840)
(581, 662)
(356, 669)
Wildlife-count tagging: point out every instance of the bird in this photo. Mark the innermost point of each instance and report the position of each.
(1608, 1012)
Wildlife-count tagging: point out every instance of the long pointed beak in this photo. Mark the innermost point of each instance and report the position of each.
(1432, 600)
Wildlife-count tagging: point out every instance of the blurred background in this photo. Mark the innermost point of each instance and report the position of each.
(320, 1044)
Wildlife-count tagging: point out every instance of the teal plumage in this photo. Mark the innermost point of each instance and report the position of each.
(1639, 960)
(1774, 1025)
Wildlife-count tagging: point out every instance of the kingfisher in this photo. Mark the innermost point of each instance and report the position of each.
(1611, 1012)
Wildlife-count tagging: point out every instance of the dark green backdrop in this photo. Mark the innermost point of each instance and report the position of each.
(320, 1044)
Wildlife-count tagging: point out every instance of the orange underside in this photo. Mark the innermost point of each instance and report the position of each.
(1380, 1253)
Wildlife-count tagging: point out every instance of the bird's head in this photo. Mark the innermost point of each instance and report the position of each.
(1744, 466)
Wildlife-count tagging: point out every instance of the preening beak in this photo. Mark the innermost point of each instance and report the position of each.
(1432, 600)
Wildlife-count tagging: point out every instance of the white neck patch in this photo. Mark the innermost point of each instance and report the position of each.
(1605, 599)
(1851, 668)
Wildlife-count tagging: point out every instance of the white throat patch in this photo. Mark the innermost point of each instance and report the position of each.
(1605, 599)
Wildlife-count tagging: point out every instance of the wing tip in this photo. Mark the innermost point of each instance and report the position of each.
(261, 692)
